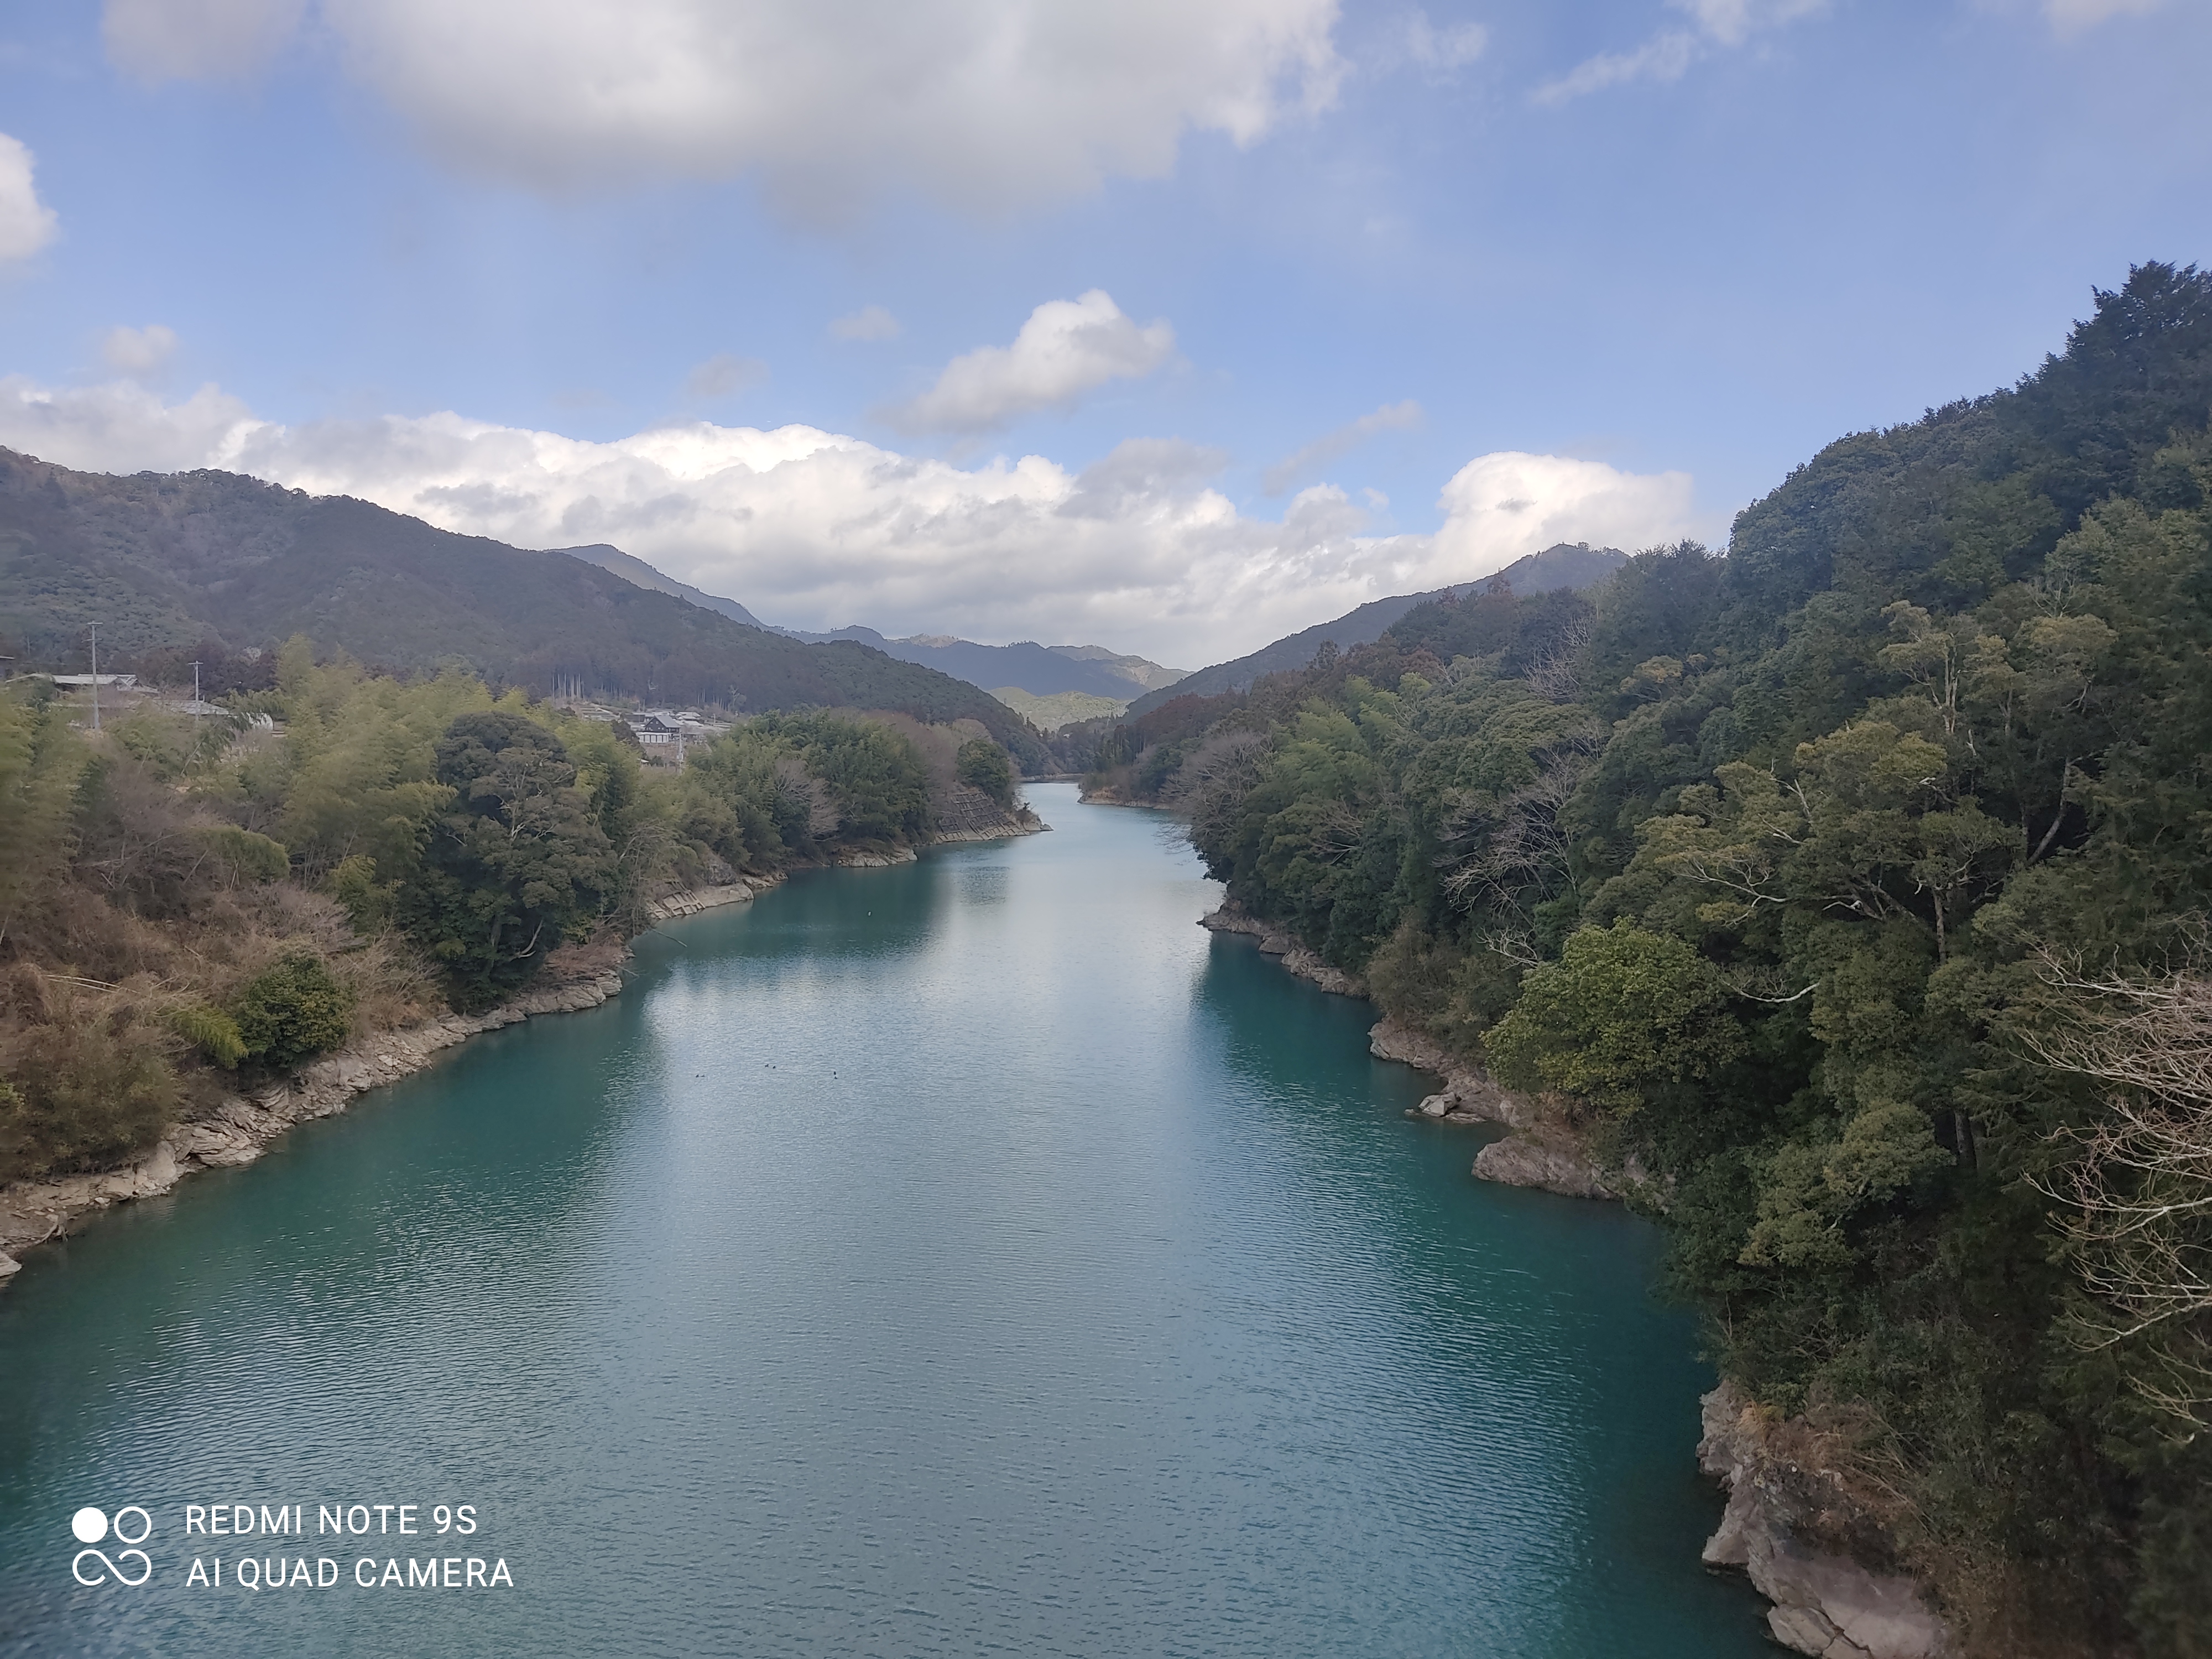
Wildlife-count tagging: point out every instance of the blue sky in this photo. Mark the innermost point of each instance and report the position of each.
(567, 271)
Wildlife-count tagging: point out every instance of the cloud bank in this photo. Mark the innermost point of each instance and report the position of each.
(813, 529)
(988, 104)
(27, 224)
(1067, 348)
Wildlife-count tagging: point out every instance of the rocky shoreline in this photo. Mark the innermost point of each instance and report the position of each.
(1274, 942)
(1540, 1152)
(1791, 1524)
(241, 1128)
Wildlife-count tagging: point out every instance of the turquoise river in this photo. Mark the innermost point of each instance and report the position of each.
(973, 1257)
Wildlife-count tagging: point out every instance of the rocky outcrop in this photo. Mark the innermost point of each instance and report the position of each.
(1544, 1156)
(1294, 955)
(1470, 1094)
(858, 858)
(692, 900)
(1793, 1527)
(968, 814)
(241, 1128)
(1542, 1151)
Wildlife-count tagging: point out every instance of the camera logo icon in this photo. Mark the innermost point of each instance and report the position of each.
(91, 1527)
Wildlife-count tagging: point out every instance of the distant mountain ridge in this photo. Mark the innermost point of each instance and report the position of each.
(1564, 564)
(161, 561)
(636, 572)
(1043, 671)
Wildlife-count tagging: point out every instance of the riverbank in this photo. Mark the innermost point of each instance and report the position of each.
(241, 1127)
(1811, 1537)
(1543, 1149)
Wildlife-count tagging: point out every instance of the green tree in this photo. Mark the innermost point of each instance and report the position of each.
(1620, 1011)
(517, 865)
(982, 764)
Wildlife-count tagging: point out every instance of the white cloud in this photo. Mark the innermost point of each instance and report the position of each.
(1067, 348)
(868, 322)
(724, 374)
(138, 351)
(1669, 53)
(2072, 17)
(813, 529)
(1334, 446)
(1501, 506)
(27, 224)
(124, 427)
(986, 104)
(193, 39)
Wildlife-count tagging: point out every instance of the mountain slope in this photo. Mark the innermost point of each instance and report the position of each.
(1043, 671)
(636, 572)
(168, 560)
(1566, 565)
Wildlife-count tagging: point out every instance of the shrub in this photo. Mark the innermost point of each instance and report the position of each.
(291, 1010)
(87, 1096)
(245, 856)
(210, 1030)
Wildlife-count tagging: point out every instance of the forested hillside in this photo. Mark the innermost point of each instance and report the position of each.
(1567, 564)
(189, 906)
(1856, 886)
(167, 563)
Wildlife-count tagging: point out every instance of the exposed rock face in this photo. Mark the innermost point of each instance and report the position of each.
(693, 900)
(1273, 942)
(239, 1130)
(969, 814)
(1825, 1602)
(1543, 1158)
(860, 860)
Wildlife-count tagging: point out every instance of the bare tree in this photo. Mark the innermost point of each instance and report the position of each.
(1494, 847)
(2141, 1190)
(1556, 672)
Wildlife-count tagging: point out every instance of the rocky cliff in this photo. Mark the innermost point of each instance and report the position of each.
(1795, 1526)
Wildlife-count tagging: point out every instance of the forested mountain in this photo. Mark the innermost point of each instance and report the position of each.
(1567, 564)
(163, 562)
(1040, 669)
(1855, 886)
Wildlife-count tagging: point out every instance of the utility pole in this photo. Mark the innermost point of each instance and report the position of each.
(196, 696)
(96, 675)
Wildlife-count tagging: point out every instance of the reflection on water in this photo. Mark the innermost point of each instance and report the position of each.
(973, 1257)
